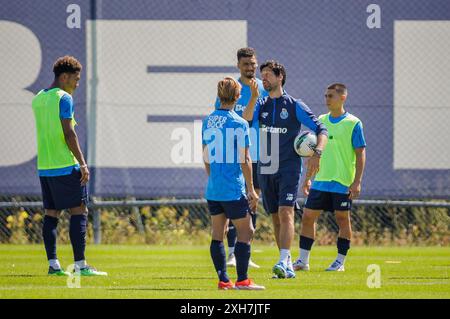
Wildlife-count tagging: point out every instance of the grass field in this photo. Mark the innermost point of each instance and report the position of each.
(187, 272)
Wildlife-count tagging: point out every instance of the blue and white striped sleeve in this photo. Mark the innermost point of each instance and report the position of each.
(306, 116)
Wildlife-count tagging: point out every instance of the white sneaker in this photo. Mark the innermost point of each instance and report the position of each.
(336, 266)
(231, 260)
(252, 264)
(299, 265)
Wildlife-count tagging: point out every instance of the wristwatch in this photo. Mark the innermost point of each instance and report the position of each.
(318, 152)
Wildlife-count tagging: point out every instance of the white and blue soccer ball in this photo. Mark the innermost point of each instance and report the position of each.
(305, 143)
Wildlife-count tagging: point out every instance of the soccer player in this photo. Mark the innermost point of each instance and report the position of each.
(62, 169)
(280, 116)
(247, 64)
(339, 180)
(225, 139)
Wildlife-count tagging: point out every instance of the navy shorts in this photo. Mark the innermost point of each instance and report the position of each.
(63, 192)
(279, 189)
(233, 209)
(327, 201)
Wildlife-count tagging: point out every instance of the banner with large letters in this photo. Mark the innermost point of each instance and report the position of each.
(151, 70)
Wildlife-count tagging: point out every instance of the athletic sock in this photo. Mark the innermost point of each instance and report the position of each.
(343, 245)
(80, 264)
(341, 258)
(231, 250)
(289, 262)
(218, 256)
(54, 263)
(305, 248)
(242, 254)
(77, 232)
(49, 235)
(284, 254)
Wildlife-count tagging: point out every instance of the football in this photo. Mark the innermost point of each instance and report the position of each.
(304, 144)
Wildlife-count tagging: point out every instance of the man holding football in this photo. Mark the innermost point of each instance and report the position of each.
(279, 118)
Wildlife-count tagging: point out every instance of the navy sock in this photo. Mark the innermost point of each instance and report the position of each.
(231, 235)
(306, 243)
(242, 253)
(343, 245)
(49, 234)
(219, 259)
(77, 232)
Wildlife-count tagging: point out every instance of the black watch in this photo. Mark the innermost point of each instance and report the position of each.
(318, 152)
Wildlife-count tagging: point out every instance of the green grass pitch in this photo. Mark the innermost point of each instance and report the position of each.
(187, 272)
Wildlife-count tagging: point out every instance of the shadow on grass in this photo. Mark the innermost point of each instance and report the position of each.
(24, 276)
(158, 289)
(420, 278)
(178, 278)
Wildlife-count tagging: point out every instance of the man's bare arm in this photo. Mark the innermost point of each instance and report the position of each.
(355, 188)
(206, 159)
(74, 146)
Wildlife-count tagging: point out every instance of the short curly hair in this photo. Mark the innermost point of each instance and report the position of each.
(245, 53)
(66, 64)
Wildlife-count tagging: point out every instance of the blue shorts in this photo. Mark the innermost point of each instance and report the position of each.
(327, 201)
(279, 189)
(63, 192)
(233, 209)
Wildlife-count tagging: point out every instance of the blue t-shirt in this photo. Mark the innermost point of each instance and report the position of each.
(66, 110)
(281, 118)
(239, 108)
(358, 141)
(224, 133)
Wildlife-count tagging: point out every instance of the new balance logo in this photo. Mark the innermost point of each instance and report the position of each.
(344, 204)
(264, 114)
(289, 196)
